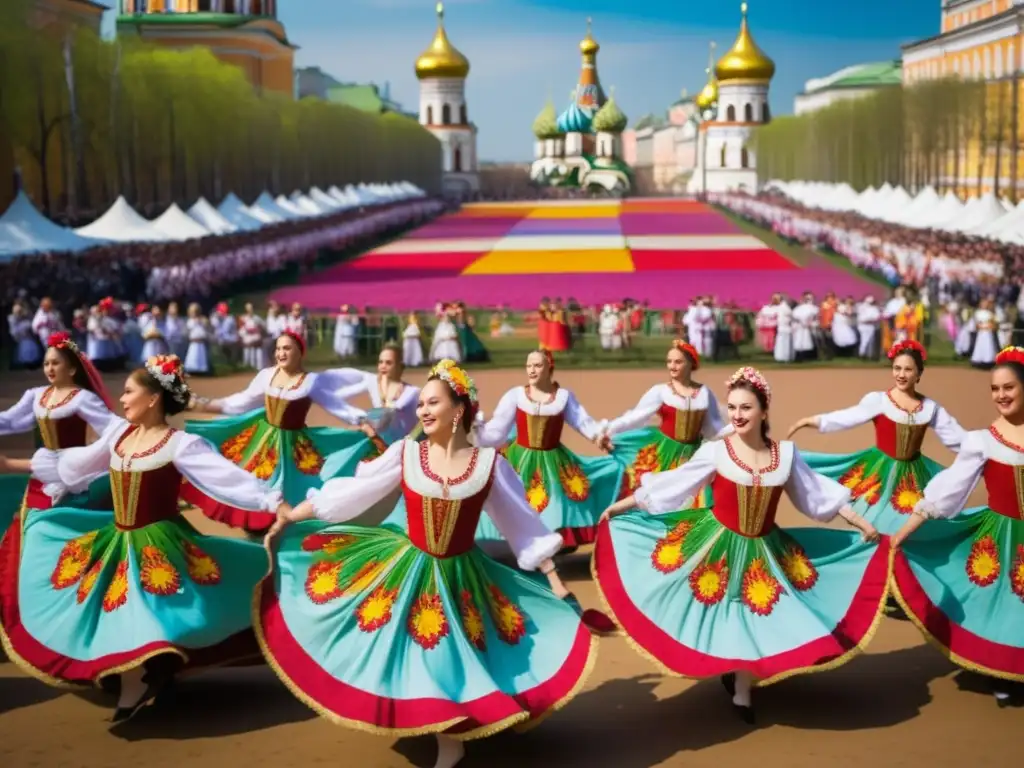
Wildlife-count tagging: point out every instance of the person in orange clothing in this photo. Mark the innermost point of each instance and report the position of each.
(560, 335)
(826, 313)
(544, 324)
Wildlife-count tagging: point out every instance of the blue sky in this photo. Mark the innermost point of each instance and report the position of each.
(523, 51)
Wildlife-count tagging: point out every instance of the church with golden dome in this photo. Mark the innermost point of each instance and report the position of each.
(732, 104)
(582, 147)
(442, 70)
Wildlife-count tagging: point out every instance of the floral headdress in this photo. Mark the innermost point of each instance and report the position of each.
(688, 350)
(62, 340)
(753, 377)
(909, 345)
(1010, 355)
(455, 377)
(169, 372)
(297, 338)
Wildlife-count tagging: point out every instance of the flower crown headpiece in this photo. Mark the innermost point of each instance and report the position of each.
(753, 377)
(169, 372)
(688, 350)
(908, 345)
(62, 340)
(455, 377)
(1010, 355)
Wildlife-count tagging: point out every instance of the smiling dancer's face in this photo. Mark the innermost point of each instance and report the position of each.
(745, 412)
(437, 409)
(57, 370)
(678, 363)
(536, 368)
(287, 353)
(1007, 393)
(905, 373)
(388, 365)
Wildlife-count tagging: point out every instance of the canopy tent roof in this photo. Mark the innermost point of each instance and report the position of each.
(287, 205)
(24, 230)
(267, 203)
(121, 223)
(178, 225)
(235, 211)
(926, 199)
(210, 218)
(306, 204)
(979, 212)
(324, 200)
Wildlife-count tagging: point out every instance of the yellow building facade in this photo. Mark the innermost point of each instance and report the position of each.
(980, 40)
(245, 33)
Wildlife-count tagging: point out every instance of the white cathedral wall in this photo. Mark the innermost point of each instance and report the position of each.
(733, 100)
(438, 92)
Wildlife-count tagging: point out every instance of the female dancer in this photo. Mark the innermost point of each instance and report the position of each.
(392, 417)
(567, 491)
(445, 344)
(197, 358)
(725, 591)
(265, 431)
(473, 350)
(412, 346)
(885, 481)
(404, 634)
(688, 414)
(961, 580)
(137, 592)
(74, 400)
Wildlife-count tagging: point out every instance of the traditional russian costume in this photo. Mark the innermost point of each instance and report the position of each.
(98, 594)
(403, 634)
(264, 431)
(568, 491)
(961, 579)
(683, 424)
(197, 359)
(445, 344)
(886, 480)
(705, 592)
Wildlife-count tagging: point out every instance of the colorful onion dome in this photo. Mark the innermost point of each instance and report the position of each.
(588, 45)
(575, 119)
(441, 59)
(708, 95)
(545, 126)
(609, 118)
(744, 61)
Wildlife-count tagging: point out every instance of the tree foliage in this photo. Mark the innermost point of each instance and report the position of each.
(952, 134)
(162, 125)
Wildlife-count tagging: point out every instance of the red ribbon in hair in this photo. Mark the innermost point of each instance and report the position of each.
(63, 340)
(1010, 355)
(900, 347)
(689, 351)
(296, 338)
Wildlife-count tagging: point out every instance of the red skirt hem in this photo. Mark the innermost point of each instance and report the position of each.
(852, 631)
(244, 519)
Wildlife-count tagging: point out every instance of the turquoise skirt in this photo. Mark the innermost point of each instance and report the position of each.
(291, 461)
(642, 451)
(375, 634)
(90, 600)
(883, 490)
(700, 600)
(961, 581)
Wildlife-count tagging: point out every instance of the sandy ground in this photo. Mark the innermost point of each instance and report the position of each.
(901, 704)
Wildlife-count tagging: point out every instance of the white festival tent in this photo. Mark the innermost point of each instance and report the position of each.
(210, 218)
(324, 200)
(267, 203)
(303, 202)
(898, 201)
(979, 212)
(178, 225)
(25, 230)
(266, 217)
(1007, 223)
(1007, 205)
(235, 211)
(926, 199)
(296, 212)
(122, 224)
(343, 201)
(947, 210)
(871, 205)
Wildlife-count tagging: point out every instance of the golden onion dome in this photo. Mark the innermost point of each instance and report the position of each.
(744, 61)
(588, 45)
(709, 93)
(441, 59)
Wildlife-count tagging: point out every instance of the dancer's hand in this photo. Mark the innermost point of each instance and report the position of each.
(604, 443)
(810, 421)
(617, 509)
(868, 532)
(368, 430)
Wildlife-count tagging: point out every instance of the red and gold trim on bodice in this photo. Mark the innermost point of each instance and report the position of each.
(67, 432)
(683, 426)
(148, 496)
(899, 441)
(1004, 483)
(541, 433)
(439, 525)
(748, 510)
(289, 415)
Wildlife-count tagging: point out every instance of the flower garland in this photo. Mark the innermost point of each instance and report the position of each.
(169, 373)
(1010, 355)
(909, 345)
(455, 377)
(62, 340)
(688, 350)
(754, 378)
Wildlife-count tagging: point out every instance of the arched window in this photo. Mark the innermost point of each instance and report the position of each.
(462, 115)
(457, 160)
(748, 112)
(721, 157)
(744, 158)
(766, 114)
(730, 113)
(446, 115)
(430, 115)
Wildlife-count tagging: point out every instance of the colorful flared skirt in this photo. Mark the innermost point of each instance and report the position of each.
(699, 600)
(646, 450)
(90, 600)
(373, 633)
(883, 490)
(473, 350)
(291, 461)
(961, 581)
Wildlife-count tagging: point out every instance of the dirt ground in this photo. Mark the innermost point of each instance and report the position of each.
(901, 704)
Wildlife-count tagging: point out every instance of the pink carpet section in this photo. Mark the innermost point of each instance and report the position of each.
(396, 262)
(754, 258)
(677, 224)
(609, 226)
(750, 289)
